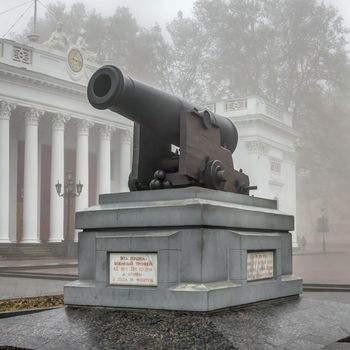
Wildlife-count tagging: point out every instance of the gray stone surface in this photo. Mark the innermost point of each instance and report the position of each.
(301, 324)
(323, 268)
(194, 209)
(201, 240)
(187, 193)
(37, 277)
(20, 287)
(337, 346)
(341, 297)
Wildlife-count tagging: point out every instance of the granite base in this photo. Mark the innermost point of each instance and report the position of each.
(202, 240)
(305, 323)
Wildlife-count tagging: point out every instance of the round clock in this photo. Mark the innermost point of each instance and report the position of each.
(75, 60)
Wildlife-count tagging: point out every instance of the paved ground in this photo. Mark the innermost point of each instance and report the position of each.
(16, 287)
(29, 278)
(318, 319)
(25, 278)
(340, 297)
(43, 262)
(301, 324)
(329, 268)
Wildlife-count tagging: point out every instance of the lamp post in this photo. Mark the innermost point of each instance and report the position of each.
(323, 227)
(68, 193)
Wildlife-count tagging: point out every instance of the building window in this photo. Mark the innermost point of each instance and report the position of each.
(275, 166)
(236, 105)
(21, 54)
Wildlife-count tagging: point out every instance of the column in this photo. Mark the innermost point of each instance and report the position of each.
(125, 159)
(13, 186)
(82, 165)
(31, 183)
(5, 113)
(104, 160)
(115, 164)
(57, 174)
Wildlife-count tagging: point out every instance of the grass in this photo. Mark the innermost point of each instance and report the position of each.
(31, 303)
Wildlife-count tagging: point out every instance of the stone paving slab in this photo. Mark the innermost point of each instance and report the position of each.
(330, 268)
(20, 287)
(70, 271)
(42, 262)
(38, 277)
(305, 323)
(337, 346)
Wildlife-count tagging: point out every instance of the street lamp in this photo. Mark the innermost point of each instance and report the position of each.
(69, 187)
(69, 192)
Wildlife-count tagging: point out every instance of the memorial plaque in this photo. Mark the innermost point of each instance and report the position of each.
(259, 265)
(133, 269)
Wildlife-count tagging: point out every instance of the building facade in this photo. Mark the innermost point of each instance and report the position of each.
(48, 133)
(266, 148)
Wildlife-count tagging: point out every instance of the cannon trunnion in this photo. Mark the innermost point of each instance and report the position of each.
(175, 143)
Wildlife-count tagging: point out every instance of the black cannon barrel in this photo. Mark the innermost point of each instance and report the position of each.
(156, 110)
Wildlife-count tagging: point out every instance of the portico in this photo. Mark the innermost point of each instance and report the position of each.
(47, 129)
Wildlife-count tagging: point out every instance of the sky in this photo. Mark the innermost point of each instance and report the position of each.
(147, 12)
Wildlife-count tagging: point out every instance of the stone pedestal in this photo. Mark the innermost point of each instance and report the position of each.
(182, 249)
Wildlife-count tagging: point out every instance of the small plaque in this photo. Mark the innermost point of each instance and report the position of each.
(133, 269)
(259, 265)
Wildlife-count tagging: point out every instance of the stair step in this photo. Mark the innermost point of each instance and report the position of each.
(30, 250)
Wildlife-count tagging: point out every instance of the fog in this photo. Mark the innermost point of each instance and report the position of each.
(146, 12)
(287, 59)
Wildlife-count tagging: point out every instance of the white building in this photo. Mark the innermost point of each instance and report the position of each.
(48, 129)
(266, 148)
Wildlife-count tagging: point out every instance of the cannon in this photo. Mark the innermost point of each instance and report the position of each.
(176, 144)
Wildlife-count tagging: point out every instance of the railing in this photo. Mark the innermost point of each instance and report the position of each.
(236, 105)
(249, 106)
(22, 54)
(211, 107)
(273, 111)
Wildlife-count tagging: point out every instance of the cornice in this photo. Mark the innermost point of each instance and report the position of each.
(276, 183)
(266, 142)
(41, 79)
(29, 104)
(261, 118)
